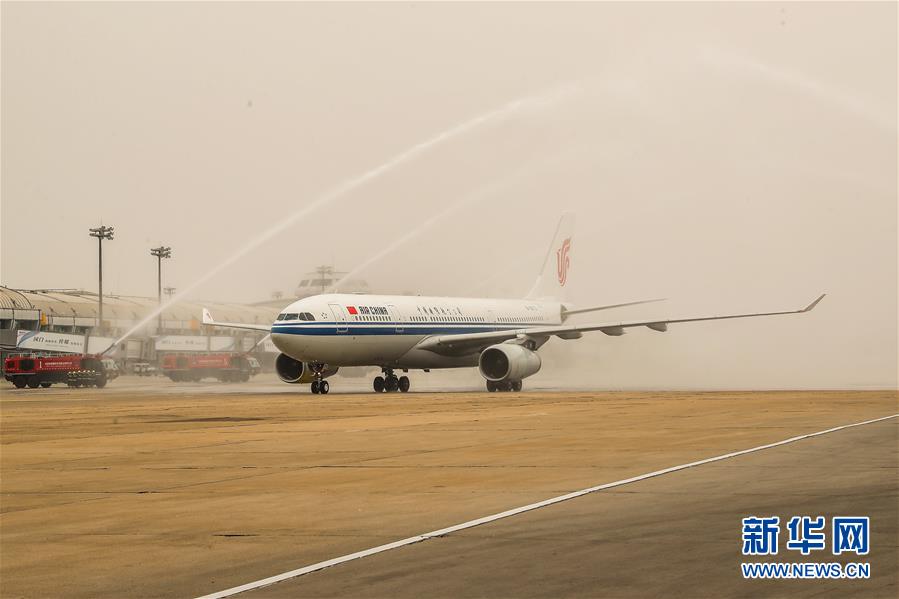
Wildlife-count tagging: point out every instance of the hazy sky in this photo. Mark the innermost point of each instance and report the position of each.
(727, 156)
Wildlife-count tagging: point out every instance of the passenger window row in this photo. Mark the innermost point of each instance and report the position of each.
(307, 316)
(519, 318)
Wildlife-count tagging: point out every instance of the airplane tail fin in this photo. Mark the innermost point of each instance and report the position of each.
(553, 279)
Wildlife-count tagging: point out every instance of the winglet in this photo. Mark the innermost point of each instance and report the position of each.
(207, 317)
(813, 304)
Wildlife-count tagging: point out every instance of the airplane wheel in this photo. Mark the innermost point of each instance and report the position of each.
(404, 384)
(392, 384)
(19, 383)
(378, 384)
(516, 386)
(491, 386)
(314, 387)
(45, 385)
(33, 384)
(324, 387)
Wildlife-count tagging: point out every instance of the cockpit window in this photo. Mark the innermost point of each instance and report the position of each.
(296, 316)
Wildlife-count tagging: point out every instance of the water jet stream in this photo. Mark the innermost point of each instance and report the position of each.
(522, 105)
(850, 102)
(531, 167)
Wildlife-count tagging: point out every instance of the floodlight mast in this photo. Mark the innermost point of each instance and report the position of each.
(160, 253)
(102, 232)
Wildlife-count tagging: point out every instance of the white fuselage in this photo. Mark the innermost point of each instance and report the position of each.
(383, 330)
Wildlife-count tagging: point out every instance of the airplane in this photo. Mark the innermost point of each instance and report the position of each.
(319, 334)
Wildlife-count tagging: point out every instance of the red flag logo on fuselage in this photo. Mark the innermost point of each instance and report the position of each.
(563, 261)
(352, 310)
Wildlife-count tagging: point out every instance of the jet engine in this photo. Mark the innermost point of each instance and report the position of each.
(293, 371)
(508, 362)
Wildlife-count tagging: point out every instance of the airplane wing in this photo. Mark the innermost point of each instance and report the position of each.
(566, 312)
(466, 343)
(208, 320)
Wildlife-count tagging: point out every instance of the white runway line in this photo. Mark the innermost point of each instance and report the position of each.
(513, 512)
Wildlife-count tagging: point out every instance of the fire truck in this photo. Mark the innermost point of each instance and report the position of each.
(33, 371)
(230, 368)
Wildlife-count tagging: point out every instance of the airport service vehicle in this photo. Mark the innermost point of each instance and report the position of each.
(144, 369)
(112, 369)
(225, 367)
(35, 371)
(319, 334)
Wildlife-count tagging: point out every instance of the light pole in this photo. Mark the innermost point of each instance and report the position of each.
(160, 253)
(322, 271)
(102, 232)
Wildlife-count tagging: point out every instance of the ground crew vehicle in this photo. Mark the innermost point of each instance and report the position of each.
(112, 369)
(226, 367)
(33, 371)
(144, 369)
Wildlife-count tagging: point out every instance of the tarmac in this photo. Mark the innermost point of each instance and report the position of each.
(165, 490)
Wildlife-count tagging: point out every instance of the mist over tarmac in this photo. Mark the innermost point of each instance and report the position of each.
(729, 157)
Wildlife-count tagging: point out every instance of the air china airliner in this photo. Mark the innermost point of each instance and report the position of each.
(317, 335)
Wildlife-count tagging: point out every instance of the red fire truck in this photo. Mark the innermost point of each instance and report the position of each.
(225, 367)
(33, 371)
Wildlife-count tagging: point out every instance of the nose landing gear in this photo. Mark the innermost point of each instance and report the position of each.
(390, 382)
(319, 385)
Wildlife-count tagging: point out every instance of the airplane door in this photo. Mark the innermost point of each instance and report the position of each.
(491, 320)
(339, 317)
(397, 317)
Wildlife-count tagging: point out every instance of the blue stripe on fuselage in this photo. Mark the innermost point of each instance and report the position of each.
(330, 328)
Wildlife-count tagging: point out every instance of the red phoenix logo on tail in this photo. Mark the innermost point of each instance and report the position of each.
(562, 261)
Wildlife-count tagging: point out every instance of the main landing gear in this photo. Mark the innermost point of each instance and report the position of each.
(319, 385)
(390, 383)
(503, 386)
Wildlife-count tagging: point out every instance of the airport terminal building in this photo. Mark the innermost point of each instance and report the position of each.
(68, 321)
